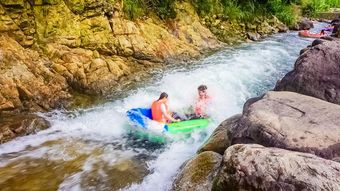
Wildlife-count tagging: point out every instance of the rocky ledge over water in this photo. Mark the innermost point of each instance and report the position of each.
(52, 52)
(50, 48)
(283, 140)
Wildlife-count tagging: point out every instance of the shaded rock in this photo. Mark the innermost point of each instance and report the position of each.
(304, 24)
(253, 36)
(12, 126)
(336, 31)
(335, 21)
(301, 52)
(254, 167)
(316, 73)
(198, 172)
(218, 141)
(291, 121)
(317, 42)
(283, 28)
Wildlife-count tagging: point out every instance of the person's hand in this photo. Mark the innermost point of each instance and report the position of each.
(177, 120)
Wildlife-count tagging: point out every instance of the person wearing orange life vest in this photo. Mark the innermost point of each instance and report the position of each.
(160, 110)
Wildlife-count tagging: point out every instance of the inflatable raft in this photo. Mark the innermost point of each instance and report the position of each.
(143, 127)
(310, 35)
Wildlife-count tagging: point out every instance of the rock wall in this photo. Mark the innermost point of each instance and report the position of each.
(26, 80)
(54, 53)
(89, 46)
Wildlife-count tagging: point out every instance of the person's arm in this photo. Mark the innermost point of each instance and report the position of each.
(167, 116)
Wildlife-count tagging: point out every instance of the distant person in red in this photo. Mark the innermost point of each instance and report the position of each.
(201, 104)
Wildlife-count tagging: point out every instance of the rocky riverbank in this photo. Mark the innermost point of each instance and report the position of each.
(283, 140)
(51, 51)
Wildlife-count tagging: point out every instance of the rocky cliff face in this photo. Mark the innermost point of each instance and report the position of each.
(53, 50)
(26, 80)
(86, 45)
(89, 46)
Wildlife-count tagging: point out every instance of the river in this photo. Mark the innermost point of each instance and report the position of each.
(88, 149)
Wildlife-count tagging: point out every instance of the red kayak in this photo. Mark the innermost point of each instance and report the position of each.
(308, 34)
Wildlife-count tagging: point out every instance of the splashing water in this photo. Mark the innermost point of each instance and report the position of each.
(89, 149)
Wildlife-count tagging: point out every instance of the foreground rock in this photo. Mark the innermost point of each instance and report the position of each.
(316, 73)
(219, 140)
(254, 167)
(12, 126)
(291, 121)
(198, 173)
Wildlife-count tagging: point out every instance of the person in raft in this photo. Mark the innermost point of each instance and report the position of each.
(322, 32)
(160, 110)
(201, 104)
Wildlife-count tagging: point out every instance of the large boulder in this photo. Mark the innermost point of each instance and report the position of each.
(291, 121)
(304, 24)
(254, 167)
(198, 173)
(219, 141)
(316, 73)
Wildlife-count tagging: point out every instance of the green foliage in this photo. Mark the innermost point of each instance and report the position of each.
(245, 10)
(207, 7)
(133, 8)
(165, 9)
(232, 10)
(311, 7)
(283, 11)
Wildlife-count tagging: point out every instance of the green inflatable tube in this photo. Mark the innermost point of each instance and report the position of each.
(187, 126)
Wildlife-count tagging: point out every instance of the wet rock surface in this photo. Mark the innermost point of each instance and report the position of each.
(198, 172)
(219, 140)
(254, 167)
(14, 125)
(316, 73)
(291, 121)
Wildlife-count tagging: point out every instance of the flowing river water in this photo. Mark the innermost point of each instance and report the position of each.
(88, 149)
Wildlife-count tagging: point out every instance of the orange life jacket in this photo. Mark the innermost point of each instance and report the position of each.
(156, 110)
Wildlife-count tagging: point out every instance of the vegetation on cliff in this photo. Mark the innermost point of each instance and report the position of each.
(312, 7)
(241, 10)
